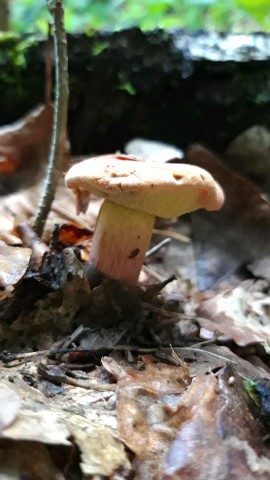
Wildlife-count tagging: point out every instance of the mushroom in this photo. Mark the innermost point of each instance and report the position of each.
(135, 193)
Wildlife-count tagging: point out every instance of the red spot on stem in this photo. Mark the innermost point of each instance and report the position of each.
(134, 253)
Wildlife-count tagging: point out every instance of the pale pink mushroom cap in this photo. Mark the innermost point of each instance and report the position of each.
(164, 190)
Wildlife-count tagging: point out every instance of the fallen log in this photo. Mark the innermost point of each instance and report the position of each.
(169, 86)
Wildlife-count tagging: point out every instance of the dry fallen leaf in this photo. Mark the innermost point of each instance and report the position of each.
(145, 410)
(13, 264)
(243, 367)
(81, 417)
(242, 313)
(213, 357)
(102, 452)
(27, 140)
(236, 235)
(221, 438)
(22, 205)
(70, 234)
(10, 403)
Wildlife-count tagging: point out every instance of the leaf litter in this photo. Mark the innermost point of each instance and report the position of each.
(89, 384)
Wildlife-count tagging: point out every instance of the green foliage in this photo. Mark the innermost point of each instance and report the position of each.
(87, 15)
(29, 16)
(12, 61)
(250, 387)
(258, 9)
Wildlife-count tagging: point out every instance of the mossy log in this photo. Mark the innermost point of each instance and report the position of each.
(172, 87)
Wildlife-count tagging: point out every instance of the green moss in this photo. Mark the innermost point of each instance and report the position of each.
(98, 47)
(255, 87)
(125, 85)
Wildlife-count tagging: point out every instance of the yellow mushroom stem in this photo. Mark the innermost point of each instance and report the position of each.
(121, 238)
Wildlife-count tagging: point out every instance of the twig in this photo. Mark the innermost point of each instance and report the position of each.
(58, 376)
(153, 273)
(48, 66)
(60, 115)
(169, 313)
(172, 234)
(157, 247)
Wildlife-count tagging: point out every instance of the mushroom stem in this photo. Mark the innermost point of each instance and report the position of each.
(121, 239)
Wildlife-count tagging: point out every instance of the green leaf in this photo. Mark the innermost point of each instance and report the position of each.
(258, 9)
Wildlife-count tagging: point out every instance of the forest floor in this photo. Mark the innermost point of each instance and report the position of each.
(167, 380)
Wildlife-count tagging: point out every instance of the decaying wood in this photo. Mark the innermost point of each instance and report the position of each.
(172, 87)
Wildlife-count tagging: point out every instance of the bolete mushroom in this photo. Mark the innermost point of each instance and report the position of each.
(135, 193)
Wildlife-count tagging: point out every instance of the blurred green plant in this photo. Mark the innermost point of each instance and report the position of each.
(257, 9)
(87, 15)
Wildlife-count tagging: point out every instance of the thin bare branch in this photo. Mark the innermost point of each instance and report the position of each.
(55, 163)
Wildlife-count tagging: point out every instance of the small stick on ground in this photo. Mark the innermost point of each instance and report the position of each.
(157, 247)
(60, 115)
(172, 234)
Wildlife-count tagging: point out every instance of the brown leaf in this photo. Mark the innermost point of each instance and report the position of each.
(102, 452)
(145, 410)
(26, 140)
(242, 313)
(13, 264)
(10, 239)
(241, 195)
(23, 204)
(221, 439)
(70, 233)
(236, 235)
(244, 367)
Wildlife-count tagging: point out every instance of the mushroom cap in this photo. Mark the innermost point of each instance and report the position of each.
(165, 190)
